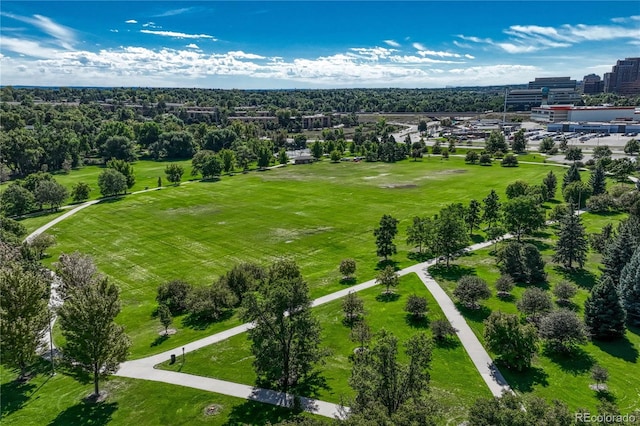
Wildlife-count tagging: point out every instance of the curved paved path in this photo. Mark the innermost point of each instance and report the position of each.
(144, 368)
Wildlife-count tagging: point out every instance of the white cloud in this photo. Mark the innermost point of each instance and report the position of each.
(178, 35)
(533, 38)
(469, 56)
(173, 12)
(374, 53)
(131, 21)
(242, 55)
(192, 46)
(418, 46)
(114, 31)
(28, 48)
(626, 19)
(392, 43)
(462, 45)
(63, 36)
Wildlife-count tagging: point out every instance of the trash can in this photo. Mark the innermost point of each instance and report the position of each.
(173, 358)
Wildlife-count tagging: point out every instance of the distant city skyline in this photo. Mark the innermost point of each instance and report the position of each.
(328, 44)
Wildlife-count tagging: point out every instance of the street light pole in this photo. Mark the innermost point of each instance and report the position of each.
(53, 367)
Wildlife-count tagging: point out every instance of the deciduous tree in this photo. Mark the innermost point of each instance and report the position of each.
(562, 330)
(470, 289)
(522, 215)
(534, 303)
(378, 378)
(347, 268)
(416, 306)
(286, 347)
(174, 173)
(491, 210)
(24, 315)
(112, 182)
(94, 342)
(385, 233)
(80, 192)
(514, 343)
(388, 278)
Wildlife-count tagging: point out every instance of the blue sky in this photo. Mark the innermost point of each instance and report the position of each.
(326, 44)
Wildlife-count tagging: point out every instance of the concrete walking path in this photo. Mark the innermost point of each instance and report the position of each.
(144, 368)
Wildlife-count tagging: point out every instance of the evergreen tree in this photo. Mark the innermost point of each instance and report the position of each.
(619, 253)
(572, 244)
(385, 234)
(597, 181)
(603, 311)
(94, 342)
(550, 181)
(572, 175)
(630, 288)
(491, 211)
(472, 216)
(23, 316)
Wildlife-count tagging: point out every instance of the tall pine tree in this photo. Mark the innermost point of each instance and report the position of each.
(572, 175)
(603, 311)
(572, 244)
(619, 253)
(491, 212)
(630, 288)
(550, 182)
(597, 181)
(472, 216)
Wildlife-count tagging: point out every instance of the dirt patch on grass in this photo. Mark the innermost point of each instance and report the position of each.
(399, 186)
(375, 177)
(212, 410)
(450, 172)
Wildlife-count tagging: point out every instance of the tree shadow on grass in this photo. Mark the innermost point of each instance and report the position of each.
(312, 385)
(452, 273)
(475, 315)
(387, 297)
(86, 413)
(419, 257)
(15, 395)
(197, 323)
(160, 340)
(506, 297)
(606, 395)
(256, 413)
(111, 199)
(412, 321)
(389, 262)
(447, 343)
(348, 280)
(525, 380)
(576, 361)
(477, 239)
(619, 348)
(540, 245)
(583, 278)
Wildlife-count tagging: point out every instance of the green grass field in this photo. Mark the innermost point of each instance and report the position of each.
(554, 376)
(317, 214)
(59, 401)
(454, 379)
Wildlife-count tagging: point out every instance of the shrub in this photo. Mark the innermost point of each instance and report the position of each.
(174, 295)
(209, 303)
(416, 306)
(564, 291)
(470, 290)
(504, 285)
(562, 330)
(601, 203)
(534, 303)
(442, 329)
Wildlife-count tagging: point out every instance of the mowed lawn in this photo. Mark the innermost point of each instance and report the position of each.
(60, 401)
(555, 376)
(316, 214)
(454, 379)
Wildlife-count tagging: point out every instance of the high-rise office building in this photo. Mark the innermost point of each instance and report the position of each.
(553, 83)
(624, 78)
(592, 83)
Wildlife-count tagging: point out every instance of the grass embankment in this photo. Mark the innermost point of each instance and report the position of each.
(60, 401)
(454, 379)
(554, 376)
(316, 214)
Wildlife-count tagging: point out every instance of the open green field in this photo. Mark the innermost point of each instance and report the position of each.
(59, 401)
(317, 214)
(556, 376)
(454, 378)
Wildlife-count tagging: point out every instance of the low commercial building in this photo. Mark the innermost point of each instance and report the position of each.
(562, 113)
